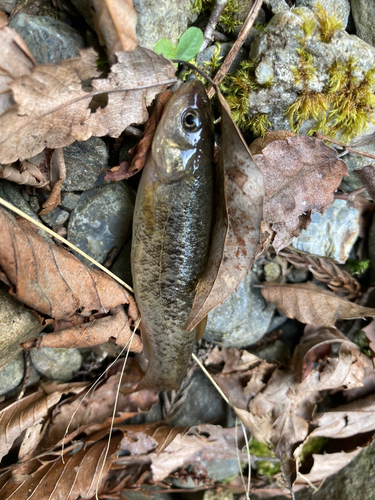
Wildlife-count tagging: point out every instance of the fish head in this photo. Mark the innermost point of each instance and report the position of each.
(184, 135)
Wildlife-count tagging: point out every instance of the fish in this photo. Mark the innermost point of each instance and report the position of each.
(171, 233)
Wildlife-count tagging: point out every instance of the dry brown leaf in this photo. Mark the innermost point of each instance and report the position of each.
(52, 281)
(57, 176)
(234, 240)
(111, 328)
(63, 115)
(144, 144)
(23, 173)
(310, 304)
(115, 23)
(346, 420)
(78, 476)
(201, 442)
(370, 334)
(16, 61)
(21, 415)
(300, 176)
(257, 146)
(367, 176)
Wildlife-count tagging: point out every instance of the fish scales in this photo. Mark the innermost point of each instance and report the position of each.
(171, 232)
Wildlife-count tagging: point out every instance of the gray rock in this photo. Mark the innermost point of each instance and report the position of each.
(276, 6)
(57, 364)
(363, 12)
(276, 50)
(276, 350)
(242, 319)
(204, 57)
(69, 200)
(202, 403)
(57, 217)
(253, 34)
(356, 480)
(122, 264)
(338, 8)
(217, 470)
(138, 495)
(102, 219)
(84, 162)
(331, 235)
(12, 374)
(16, 325)
(7, 5)
(159, 19)
(49, 40)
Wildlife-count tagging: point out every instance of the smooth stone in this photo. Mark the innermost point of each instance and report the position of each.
(242, 319)
(202, 402)
(16, 325)
(331, 235)
(278, 48)
(253, 33)
(102, 219)
(49, 40)
(84, 162)
(56, 363)
(7, 5)
(204, 57)
(276, 6)
(57, 217)
(159, 19)
(139, 495)
(69, 200)
(338, 8)
(10, 192)
(122, 265)
(363, 12)
(12, 374)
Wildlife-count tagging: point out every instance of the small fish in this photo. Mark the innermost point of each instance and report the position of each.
(171, 233)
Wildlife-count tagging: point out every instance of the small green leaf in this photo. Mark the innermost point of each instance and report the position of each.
(166, 48)
(189, 44)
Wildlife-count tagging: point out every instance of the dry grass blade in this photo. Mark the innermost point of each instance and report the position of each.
(323, 270)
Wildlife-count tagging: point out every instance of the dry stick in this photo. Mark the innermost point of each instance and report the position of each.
(63, 240)
(212, 22)
(347, 148)
(248, 24)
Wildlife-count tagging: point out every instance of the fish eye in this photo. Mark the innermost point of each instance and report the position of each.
(191, 121)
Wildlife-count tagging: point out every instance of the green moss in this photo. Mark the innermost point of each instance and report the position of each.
(351, 101)
(328, 24)
(236, 88)
(264, 467)
(357, 267)
(346, 104)
(312, 446)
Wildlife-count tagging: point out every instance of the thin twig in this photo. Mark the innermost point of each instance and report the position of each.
(63, 240)
(248, 24)
(326, 271)
(347, 148)
(212, 22)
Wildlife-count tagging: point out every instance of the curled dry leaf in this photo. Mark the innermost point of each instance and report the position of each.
(24, 173)
(77, 476)
(115, 23)
(52, 281)
(29, 411)
(16, 61)
(67, 110)
(300, 176)
(281, 403)
(237, 220)
(367, 176)
(144, 144)
(310, 304)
